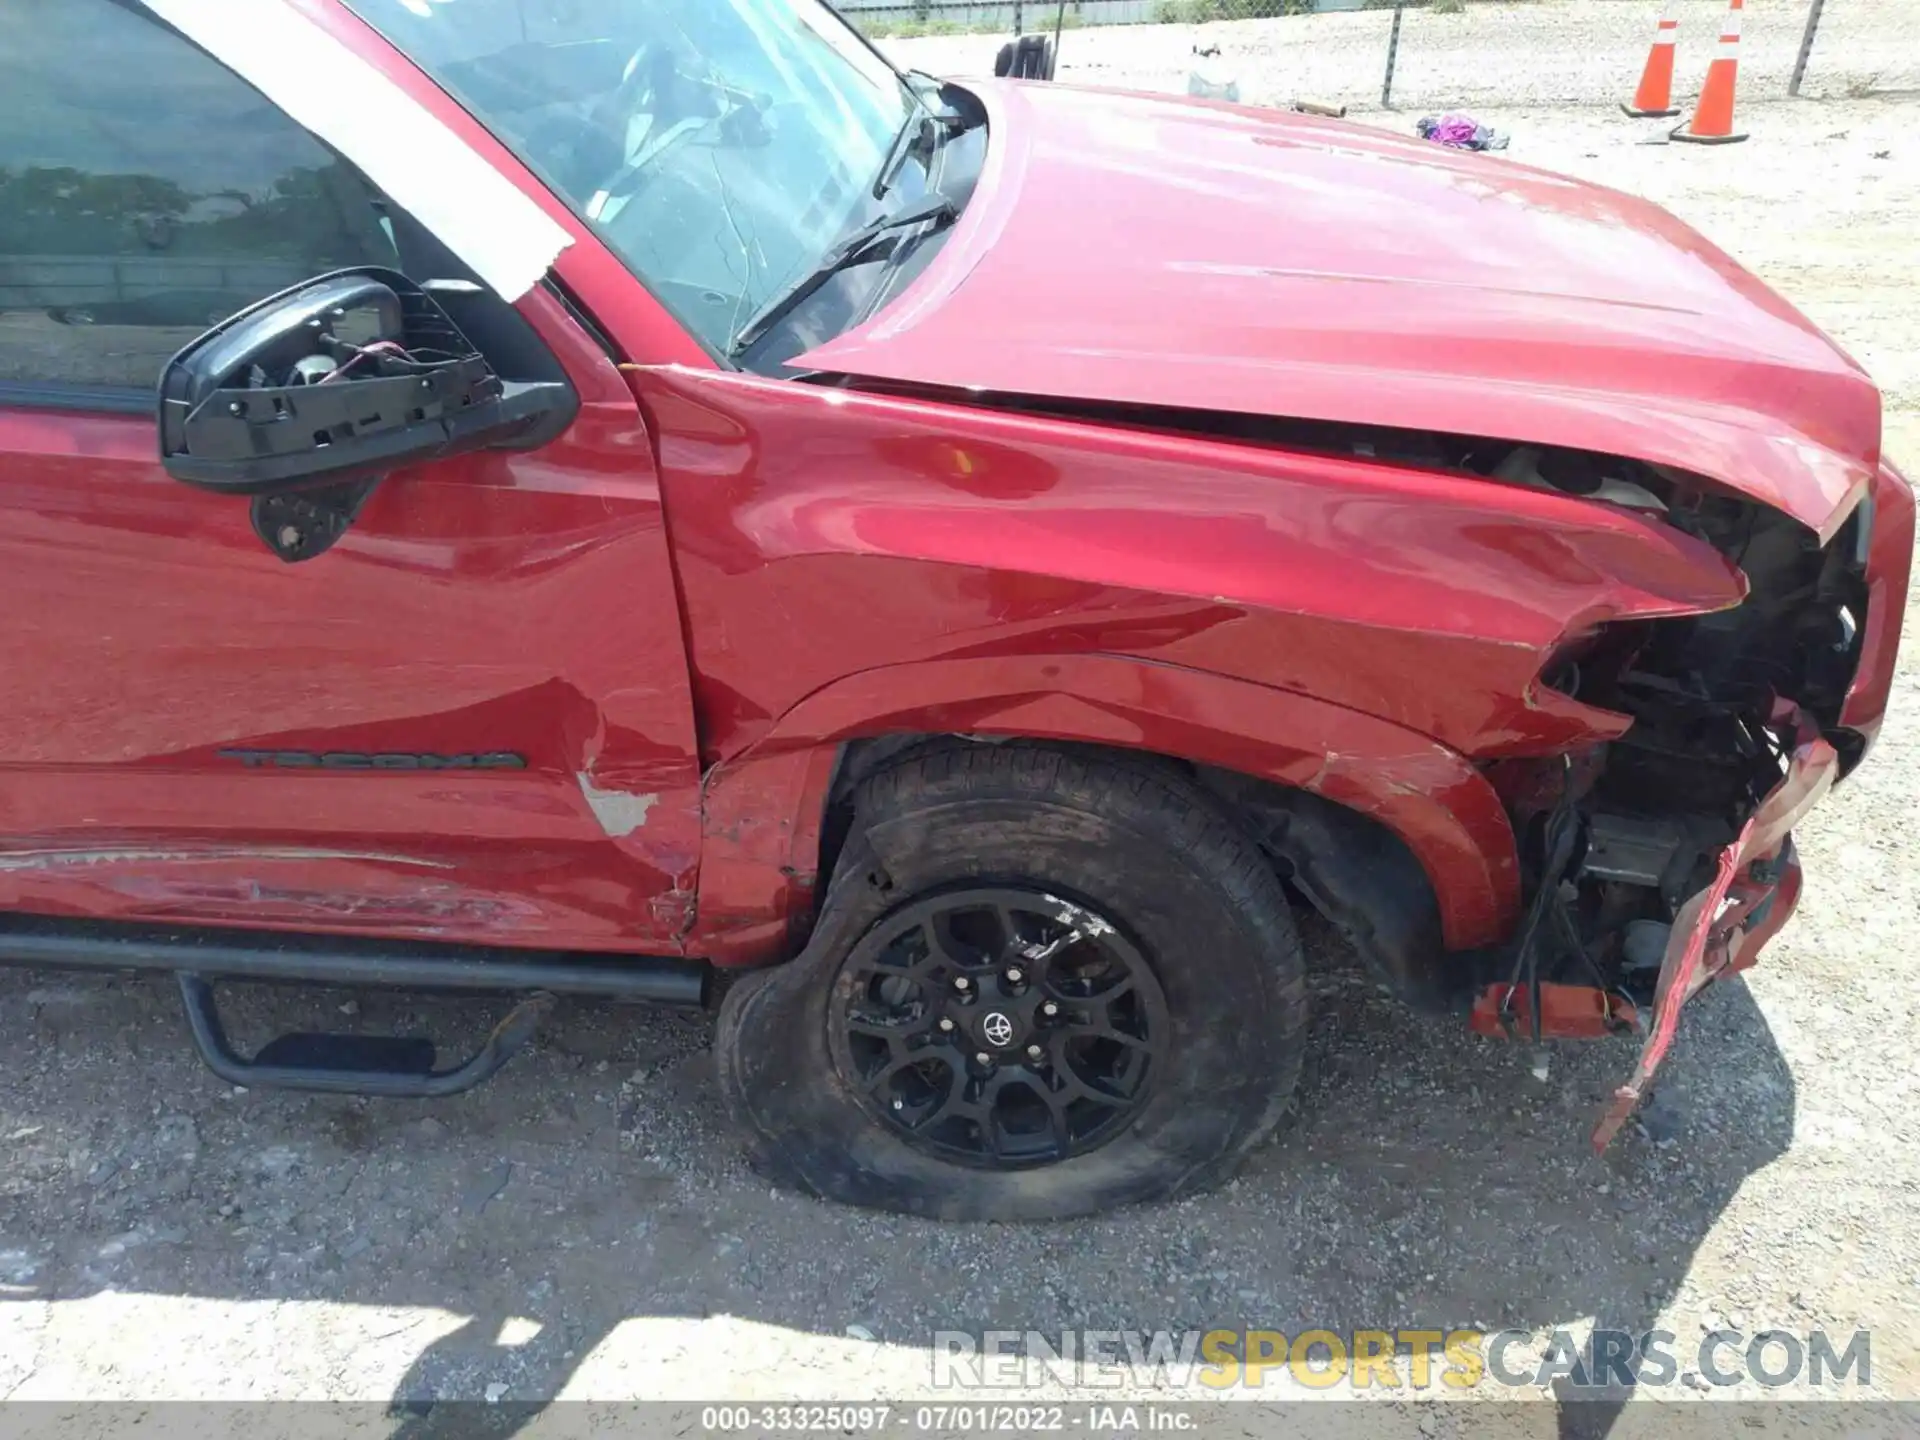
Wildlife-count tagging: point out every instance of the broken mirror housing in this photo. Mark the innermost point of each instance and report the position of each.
(342, 378)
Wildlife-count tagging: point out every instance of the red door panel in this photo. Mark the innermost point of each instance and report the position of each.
(193, 730)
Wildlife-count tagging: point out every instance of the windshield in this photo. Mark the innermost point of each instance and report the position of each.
(719, 147)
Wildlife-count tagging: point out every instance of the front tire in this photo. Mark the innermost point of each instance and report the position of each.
(1041, 985)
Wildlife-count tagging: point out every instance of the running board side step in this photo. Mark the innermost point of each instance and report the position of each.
(349, 961)
(390, 1067)
(386, 1066)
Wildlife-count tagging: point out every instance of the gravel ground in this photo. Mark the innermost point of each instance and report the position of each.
(1542, 52)
(583, 1227)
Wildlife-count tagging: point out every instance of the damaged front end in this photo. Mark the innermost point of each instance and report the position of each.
(1663, 860)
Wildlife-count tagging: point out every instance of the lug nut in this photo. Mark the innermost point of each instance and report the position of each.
(960, 982)
(1013, 977)
(1049, 1009)
(984, 1058)
(1034, 1050)
(945, 1024)
(899, 1104)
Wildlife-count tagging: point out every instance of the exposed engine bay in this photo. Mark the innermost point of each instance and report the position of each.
(1619, 840)
(1614, 841)
(1662, 859)
(1625, 845)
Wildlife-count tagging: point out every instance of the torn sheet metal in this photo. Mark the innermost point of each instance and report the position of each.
(405, 150)
(1721, 929)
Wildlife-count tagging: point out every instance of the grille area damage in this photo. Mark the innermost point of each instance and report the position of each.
(1663, 860)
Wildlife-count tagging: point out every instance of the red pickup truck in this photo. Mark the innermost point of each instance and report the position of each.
(590, 498)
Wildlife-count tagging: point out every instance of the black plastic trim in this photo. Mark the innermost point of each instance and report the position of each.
(581, 316)
(299, 1062)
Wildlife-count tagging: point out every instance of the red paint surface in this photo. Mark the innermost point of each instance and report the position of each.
(857, 565)
(1433, 798)
(697, 598)
(516, 602)
(819, 533)
(1155, 250)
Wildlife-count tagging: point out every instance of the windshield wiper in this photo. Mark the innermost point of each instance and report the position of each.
(929, 130)
(936, 85)
(925, 125)
(911, 134)
(927, 208)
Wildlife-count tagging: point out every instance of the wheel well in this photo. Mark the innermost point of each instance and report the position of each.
(1349, 867)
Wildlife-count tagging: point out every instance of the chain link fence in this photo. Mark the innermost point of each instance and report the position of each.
(912, 19)
(1450, 52)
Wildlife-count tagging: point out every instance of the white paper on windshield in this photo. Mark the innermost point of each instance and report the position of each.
(404, 149)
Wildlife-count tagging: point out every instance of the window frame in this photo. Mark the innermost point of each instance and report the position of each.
(77, 396)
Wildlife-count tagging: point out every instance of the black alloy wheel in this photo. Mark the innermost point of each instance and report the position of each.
(1000, 1027)
(1040, 983)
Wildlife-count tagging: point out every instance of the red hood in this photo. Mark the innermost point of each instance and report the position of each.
(1157, 251)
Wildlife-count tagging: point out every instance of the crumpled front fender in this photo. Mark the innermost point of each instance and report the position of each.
(1434, 799)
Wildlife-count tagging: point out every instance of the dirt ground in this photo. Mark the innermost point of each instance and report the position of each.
(583, 1226)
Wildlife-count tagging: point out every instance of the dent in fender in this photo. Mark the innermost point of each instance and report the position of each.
(1432, 798)
(819, 534)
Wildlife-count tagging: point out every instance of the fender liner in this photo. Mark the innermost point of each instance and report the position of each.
(765, 806)
(1360, 876)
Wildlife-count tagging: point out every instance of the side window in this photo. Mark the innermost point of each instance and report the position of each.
(146, 193)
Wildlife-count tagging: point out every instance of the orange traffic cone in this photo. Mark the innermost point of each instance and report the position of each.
(1655, 95)
(1713, 117)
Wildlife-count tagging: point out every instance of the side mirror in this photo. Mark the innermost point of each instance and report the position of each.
(338, 380)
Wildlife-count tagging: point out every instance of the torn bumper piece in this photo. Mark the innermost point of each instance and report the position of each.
(1722, 929)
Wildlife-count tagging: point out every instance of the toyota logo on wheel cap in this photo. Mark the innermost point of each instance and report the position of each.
(997, 1029)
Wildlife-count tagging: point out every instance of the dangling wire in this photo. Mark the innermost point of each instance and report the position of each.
(1556, 855)
(361, 352)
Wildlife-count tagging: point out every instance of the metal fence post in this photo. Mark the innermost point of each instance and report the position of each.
(1017, 26)
(1393, 49)
(1806, 48)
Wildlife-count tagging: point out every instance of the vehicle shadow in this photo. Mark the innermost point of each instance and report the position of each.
(584, 1225)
